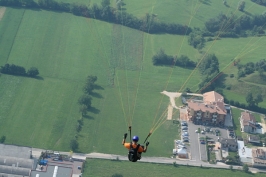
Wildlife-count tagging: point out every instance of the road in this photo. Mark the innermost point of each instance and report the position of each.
(162, 160)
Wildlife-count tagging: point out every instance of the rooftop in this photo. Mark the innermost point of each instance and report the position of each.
(256, 153)
(254, 138)
(244, 153)
(61, 172)
(207, 107)
(14, 170)
(248, 119)
(17, 162)
(228, 141)
(15, 151)
(210, 97)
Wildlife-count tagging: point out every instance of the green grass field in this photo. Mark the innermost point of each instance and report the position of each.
(236, 113)
(66, 48)
(101, 168)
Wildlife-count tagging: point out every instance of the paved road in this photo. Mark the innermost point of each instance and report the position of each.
(195, 150)
(37, 152)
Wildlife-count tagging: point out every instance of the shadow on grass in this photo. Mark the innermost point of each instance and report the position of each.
(97, 95)
(39, 78)
(94, 110)
(206, 2)
(88, 117)
(98, 87)
(247, 13)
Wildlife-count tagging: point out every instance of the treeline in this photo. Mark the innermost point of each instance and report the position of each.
(251, 67)
(106, 13)
(260, 2)
(209, 69)
(85, 104)
(160, 58)
(18, 70)
(233, 26)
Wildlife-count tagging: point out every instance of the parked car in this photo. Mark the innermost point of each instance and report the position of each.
(197, 131)
(202, 132)
(202, 141)
(184, 128)
(217, 133)
(185, 133)
(185, 140)
(184, 124)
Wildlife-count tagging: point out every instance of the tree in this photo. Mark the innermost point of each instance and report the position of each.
(33, 72)
(83, 109)
(74, 144)
(2, 139)
(245, 168)
(241, 5)
(249, 99)
(258, 99)
(88, 88)
(261, 73)
(105, 3)
(85, 100)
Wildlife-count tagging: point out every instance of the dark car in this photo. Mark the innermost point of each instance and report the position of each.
(217, 133)
(202, 141)
(184, 128)
(184, 124)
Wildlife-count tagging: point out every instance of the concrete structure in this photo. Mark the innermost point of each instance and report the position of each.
(231, 144)
(15, 151)
(15, 161)
(182, 153)
(247, 122)
(245, 154)
(58, 170)
(212, 110)
(254, 139)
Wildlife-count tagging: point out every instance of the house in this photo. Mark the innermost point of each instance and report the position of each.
(231, 144)
(259, 157)
(253, 139)
(247, 122)
(211, 110)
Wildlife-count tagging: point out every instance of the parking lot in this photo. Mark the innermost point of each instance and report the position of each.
(197, 150)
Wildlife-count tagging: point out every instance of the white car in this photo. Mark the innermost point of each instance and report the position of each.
(202, 132)
(196, 131)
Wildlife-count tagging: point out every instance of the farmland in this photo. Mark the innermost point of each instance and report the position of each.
(66, 49)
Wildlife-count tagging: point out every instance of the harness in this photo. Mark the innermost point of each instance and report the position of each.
(133, 153)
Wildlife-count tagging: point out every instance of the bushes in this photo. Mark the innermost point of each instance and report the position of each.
(18, 70)
(160, 58)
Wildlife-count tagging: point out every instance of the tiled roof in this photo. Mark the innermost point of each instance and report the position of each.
(210, 97)
(207, 107)
(247, 118)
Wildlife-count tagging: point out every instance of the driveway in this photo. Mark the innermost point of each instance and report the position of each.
(198, 151)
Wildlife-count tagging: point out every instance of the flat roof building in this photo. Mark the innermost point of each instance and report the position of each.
(15, 151)
(51, 170)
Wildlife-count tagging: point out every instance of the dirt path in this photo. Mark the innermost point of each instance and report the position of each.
(2, 12)
(172, 96)
(170, 112)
